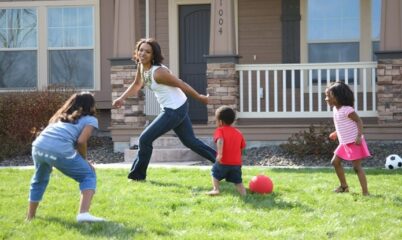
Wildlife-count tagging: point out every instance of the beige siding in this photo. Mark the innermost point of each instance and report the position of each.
(162, 27)
(260, 31)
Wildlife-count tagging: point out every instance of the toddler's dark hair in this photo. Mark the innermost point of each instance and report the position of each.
(226, 115)
(78, 105)
(342, 93)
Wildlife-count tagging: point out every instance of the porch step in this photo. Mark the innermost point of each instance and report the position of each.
(167, 149)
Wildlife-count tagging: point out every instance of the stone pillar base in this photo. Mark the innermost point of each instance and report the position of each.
(123, 72)
(223, 84)
(389, 91)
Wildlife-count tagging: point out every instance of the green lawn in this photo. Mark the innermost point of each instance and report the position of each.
(172, 204)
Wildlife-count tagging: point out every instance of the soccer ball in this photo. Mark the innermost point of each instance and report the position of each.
(393, 161)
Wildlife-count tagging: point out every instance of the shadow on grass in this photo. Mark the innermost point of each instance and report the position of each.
(170, 184)
(369, 171)
(271, 201)
(102, 229)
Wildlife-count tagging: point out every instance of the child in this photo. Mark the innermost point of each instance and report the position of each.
(230, 144)
(62, 144)
(349, 126)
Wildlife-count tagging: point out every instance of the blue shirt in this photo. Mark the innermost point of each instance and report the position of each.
(62, 137)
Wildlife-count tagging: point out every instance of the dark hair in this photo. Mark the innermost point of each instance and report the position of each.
(156, 50)
(342, 93)
(226, 115)
(78, 105)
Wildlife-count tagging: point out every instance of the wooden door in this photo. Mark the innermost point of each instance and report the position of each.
(194, 27)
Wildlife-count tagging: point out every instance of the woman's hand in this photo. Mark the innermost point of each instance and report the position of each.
(203, 98)
(117, 103)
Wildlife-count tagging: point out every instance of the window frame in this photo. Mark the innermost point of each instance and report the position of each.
(365, 49)
(42, 39)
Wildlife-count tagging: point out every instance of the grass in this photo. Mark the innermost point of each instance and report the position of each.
(172, 205)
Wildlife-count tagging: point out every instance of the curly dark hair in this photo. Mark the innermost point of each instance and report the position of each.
(342, 93)
(78, 105)
(157, 56)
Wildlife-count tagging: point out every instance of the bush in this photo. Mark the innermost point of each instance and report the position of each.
(23, 115)
(312, 142)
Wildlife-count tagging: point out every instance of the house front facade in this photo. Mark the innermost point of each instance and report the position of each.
(270, 60)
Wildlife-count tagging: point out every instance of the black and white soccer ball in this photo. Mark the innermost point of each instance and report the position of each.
(393, 161)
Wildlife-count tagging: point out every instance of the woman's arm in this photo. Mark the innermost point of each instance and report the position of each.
(359, 123)
(131, 90)
(163, 76)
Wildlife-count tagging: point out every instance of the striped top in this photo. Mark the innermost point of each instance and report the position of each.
(346, 128)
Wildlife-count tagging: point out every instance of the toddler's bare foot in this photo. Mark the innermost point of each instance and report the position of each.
(213, 192)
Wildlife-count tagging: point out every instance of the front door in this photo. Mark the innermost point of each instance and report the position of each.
(194, 26)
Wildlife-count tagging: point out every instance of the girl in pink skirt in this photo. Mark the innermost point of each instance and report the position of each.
(352, 146)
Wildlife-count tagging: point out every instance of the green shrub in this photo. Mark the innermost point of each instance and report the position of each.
(23, 115)
(315, 141)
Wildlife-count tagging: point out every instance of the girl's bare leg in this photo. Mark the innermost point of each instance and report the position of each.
(32, 210)
(85, 201)
(357, 166)
(337, 163)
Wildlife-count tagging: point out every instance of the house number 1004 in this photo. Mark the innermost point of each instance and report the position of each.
(220, 21)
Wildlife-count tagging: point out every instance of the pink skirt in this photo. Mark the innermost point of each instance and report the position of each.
(352, 151)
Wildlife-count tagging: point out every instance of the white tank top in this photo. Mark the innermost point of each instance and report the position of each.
(167, 96)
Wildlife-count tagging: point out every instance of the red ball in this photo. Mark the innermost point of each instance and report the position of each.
(261, 184)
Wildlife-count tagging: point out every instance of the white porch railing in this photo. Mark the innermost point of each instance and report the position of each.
(298, 90)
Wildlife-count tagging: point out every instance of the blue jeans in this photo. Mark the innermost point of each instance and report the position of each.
(168, 119)
(75, 167)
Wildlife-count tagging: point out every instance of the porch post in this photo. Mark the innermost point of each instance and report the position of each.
(223, 83)
(123, 70)
(389, 71)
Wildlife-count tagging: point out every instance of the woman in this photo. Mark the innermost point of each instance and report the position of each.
(171, 95)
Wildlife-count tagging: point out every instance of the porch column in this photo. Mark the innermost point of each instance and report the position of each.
(123, 70)
(126, 27)
(221, 74)
(389, 71)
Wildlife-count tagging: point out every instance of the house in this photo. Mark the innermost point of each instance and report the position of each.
(269, 59)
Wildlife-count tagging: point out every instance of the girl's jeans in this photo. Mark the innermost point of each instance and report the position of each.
(75, 167)
(168, 119)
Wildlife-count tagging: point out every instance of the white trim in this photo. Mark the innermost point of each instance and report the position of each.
(42, 47)
(146, 18)
(173, 6)
(97, 49)
(298, 114)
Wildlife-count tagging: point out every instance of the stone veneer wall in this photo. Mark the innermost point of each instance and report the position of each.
(132, 113)
(223, 88)
(389, 91)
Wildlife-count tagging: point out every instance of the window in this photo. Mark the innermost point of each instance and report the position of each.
(333, 35)
(70, 46)
(49, 44)
(18, 49)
